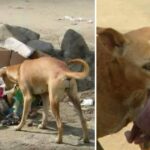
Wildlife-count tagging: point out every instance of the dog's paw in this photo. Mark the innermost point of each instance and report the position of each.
(41, 126)
(86, 140)
(59, 141)
(16, 128)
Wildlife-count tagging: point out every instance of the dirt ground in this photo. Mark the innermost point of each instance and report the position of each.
(123, 16)
(47, 18)
(32, 138)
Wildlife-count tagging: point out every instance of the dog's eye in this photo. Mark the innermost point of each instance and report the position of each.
(146, 66)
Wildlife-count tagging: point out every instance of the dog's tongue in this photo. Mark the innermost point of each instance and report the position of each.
(143, 119)
(137, 136)
(140, 131)
(134, 134)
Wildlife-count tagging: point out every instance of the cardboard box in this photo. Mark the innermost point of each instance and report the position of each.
(16, 58)
(5, 57)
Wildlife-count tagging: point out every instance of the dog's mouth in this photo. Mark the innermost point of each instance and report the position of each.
(136, 135)
(140, 132)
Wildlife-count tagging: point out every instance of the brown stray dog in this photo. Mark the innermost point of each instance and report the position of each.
(50, 78)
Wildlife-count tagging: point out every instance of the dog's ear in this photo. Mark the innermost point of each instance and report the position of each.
(111, 38)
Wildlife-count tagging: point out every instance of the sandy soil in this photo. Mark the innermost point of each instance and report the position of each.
(45, 17)
(123, 16)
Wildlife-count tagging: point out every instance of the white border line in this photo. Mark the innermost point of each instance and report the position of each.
(95, 8)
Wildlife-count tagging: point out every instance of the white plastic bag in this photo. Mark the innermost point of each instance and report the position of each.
(17, 46)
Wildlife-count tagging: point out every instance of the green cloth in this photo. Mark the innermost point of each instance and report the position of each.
(18, 95)
(18, 102)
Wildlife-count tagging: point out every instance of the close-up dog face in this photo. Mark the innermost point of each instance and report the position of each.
(123, 81)
(123, 68)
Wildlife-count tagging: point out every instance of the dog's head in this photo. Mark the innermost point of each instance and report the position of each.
(123, 77)
(129, 47)
(10, 75)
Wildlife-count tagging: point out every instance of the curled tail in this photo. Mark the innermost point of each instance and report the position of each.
(78, 75)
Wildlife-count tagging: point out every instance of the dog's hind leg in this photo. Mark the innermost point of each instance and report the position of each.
(45, 100)
(26, 109)
(73, 95)
(54, 105)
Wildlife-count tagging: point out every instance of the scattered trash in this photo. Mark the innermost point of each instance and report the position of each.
(87, 102)
(3, 106)
(68, 18)
(76, 20)
(90, 21)
(10, 119)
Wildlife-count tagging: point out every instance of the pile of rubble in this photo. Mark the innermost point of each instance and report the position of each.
(73, 46)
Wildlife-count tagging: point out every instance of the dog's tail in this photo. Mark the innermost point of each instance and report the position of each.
(78, 75)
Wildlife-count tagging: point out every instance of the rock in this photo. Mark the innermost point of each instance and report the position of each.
(85, 84)
(42, 46)
(88, 82)
(90, 59)
(73, 45)
(22, 34)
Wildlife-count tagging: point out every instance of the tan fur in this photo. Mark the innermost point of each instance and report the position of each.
(121, 82)
(52, 79)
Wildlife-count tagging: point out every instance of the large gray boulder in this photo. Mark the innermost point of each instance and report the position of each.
(42, 46)
(73, 45)
(89, 82)
(22, 34)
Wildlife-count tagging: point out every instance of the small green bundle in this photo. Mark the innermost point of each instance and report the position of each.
(18, 102)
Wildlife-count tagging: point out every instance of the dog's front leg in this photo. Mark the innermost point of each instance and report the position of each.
(26, 109)
(45, 100)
